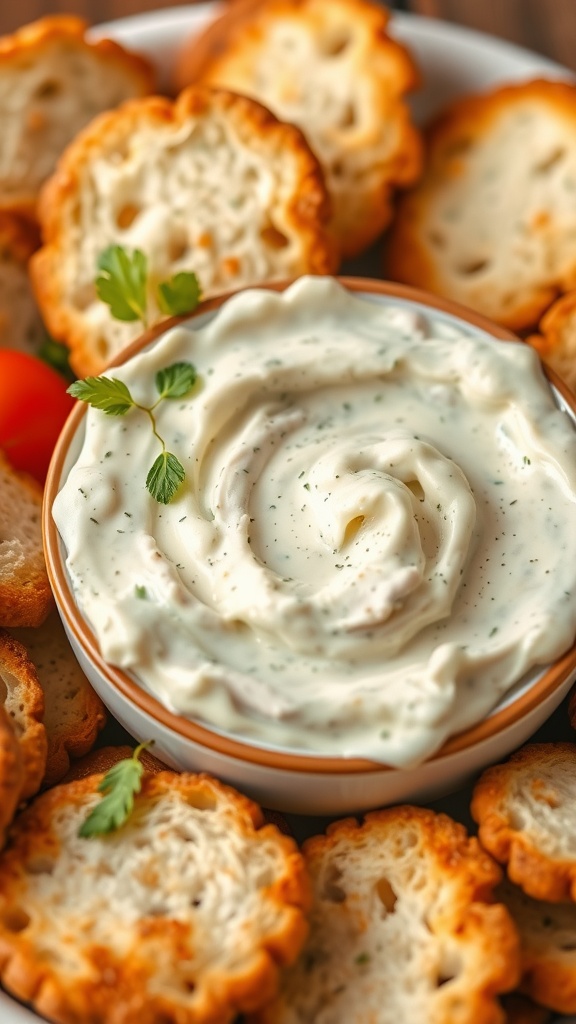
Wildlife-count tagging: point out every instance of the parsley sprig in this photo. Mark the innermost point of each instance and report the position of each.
(123, 285)
(120, 785)
(112, 397)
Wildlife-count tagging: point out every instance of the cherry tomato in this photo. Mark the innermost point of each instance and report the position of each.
(33, 407)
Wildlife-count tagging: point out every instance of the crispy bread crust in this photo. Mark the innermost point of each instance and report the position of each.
(415, 253)
(556, 342)
(22, 698)
(368, 146)
(514, 803)
(442, 874)
(156, 967)
(305, 210)
(35, 38)
(25, 594)
(74, 712)
(11, 773)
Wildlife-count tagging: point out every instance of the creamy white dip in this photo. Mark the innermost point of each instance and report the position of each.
(375, 539)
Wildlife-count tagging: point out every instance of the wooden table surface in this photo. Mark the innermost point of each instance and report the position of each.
(547, 26)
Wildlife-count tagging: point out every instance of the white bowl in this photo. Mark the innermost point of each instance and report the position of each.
(301, 782)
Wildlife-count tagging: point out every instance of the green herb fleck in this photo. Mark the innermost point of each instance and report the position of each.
(119, 786)
(141, 592)
(362, 958)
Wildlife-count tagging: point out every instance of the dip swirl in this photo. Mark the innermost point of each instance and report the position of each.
(375, 538)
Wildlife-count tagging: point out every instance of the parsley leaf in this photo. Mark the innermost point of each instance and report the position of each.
(179, 294)
(176, 381)
(120, 785)
(106, 393)
(122, 283)
(165, 477)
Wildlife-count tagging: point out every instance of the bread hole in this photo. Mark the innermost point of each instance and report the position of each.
(348, 118)
(458, 147)
(337, 168)
(334, 44)
(415, 487)
(40, 866)
(48, 89)
(101, 346)
(273, 237)
(202, 800)
(177, 248)
(127, 215)
(332, 890)
(189, 985)
(15, 920)
(352, 529)
(568, 947)
(437, 239)
(472, 267)
(550, 161)
(386, 895)
(448, 969)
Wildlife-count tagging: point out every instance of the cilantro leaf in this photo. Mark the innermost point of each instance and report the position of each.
(122, 283)
(176, 381)
(120, 785)
(179, 294)
(105, 393)
(165, 477)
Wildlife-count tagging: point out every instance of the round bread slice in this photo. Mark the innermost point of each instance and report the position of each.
(526, 814)
(492, 222)
(212, 183)
(556, 342)
(11, 773)
(181, 916)
(548, 948)
(402, 927)
(74, 713)
(330, 67)
(21, 325)
(25, 594)
(53, 81)
(23, 701)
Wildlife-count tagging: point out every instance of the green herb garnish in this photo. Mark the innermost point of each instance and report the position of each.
(113, 398)
(56, 356)
(120, 785)
(123, 285)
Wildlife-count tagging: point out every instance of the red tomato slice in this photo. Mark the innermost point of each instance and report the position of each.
(33, 407)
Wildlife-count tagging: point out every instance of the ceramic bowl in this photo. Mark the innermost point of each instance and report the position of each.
(291, 781)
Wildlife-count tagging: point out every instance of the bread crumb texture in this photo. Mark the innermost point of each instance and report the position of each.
(25, 594)
(11, 772)
(182, 915)
(53, 81)
(525, 814)
(548, 948)
(349, 101)
(212, 183)
(492, 222)
(74, 713)
(402, 927)
(22, 698)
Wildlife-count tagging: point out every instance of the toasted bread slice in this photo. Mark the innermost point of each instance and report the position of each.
(182, 915)
(74, 712)
(23, 701)
(11, 772)
(526, 818)
(548, 948)
(330, 67)
(25, 594)
(491, 223)
(20, 321)
(556, 342)
(402, 927)
(53, 81)
(211, 183)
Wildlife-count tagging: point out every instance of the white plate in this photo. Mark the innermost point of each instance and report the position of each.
(453, 61)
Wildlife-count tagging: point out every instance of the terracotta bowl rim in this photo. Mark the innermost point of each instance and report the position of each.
(240, 749)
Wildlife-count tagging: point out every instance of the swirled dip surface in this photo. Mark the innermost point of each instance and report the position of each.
(375, 538)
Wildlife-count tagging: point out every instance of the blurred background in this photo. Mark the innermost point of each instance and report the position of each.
(547, 26)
